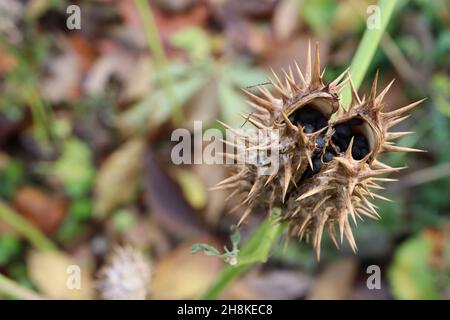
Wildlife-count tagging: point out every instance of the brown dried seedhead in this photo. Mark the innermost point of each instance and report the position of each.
(328, 166)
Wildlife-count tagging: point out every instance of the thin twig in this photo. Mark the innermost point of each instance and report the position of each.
(441, 171)
(156, 48)
(400, 63)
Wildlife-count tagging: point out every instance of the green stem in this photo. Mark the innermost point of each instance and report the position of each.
(266, 234)
(11, 288)
(157, 50)
(24, 227)
(256, 249)
(367, 48)
(41, 120)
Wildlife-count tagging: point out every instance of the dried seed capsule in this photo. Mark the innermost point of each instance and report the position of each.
(329, 197)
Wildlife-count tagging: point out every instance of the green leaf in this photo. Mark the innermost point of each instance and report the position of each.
(318, 14)
(73, 168)
(195, 41)
(243, 75)
(11, 176)
(69, 230)
(81, 209)
(193, 188)
(440, 88)
(156, 107)
(210, 251)
(124, 220)
(235, 238)
(10, 247)
(232, 104)
(410, 276)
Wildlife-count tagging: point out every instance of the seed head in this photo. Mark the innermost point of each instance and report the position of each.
(328, 166)
(126, 276)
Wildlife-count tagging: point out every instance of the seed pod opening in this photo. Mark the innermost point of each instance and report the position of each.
(356, 128)
(312, 116)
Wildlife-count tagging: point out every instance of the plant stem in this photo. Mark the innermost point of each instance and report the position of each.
(41, 120)
(267, 234)
(256, 249)
(367, 48)
(156, 48)
(24, 227)
(10, 287)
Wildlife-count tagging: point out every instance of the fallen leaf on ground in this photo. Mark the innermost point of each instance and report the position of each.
(118, 176)
(182, 275)
(54, 273)
(42, 209)
(192, 186)
(335, 281)
(165, 199)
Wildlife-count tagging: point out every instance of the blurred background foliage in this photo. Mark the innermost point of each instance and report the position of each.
(86, 118)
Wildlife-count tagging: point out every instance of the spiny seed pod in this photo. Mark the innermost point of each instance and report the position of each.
(127, 276)
(299, 113)
(327, 153)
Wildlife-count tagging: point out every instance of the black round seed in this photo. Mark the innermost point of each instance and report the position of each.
(308, 128)
(343, 130)
(327, 157)
(317, 164)
(355, 122)
(320, 142)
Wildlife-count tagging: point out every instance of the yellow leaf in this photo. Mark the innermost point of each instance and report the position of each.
(193, 188)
